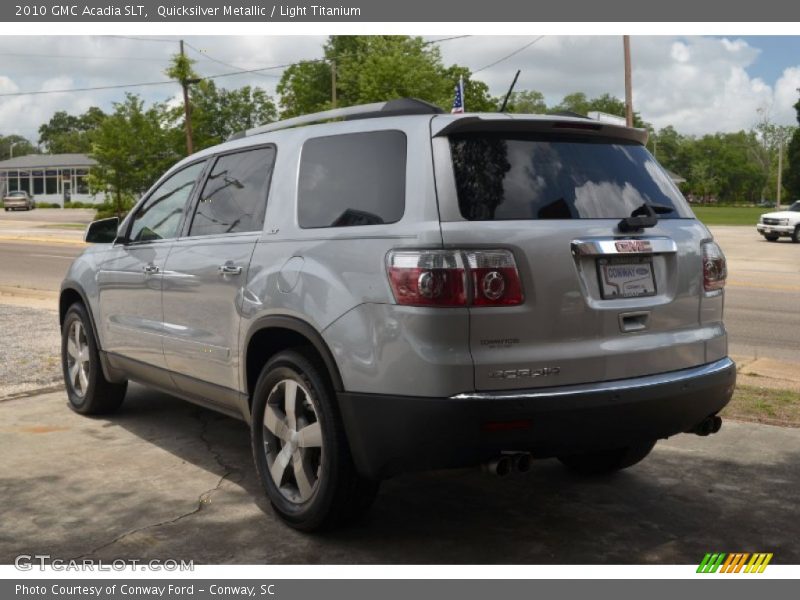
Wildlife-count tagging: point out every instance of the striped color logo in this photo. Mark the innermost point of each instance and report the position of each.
(735, 562)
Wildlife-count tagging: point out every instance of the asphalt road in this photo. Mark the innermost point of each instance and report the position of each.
(38, 266)
(762, 310)
(165, 479)
(48, 215)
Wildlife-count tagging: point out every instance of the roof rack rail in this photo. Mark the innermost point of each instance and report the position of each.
(390, 108)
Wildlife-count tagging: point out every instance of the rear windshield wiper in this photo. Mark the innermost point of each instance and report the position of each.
(644, 216)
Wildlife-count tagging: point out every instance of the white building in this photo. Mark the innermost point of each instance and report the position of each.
(49, 177)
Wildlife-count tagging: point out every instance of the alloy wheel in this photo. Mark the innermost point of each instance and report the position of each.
(78, 359)
(293, 441)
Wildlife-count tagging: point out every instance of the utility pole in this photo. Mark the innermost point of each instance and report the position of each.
(780, 172)
(626, 45)
(333, 83)
(187, 111)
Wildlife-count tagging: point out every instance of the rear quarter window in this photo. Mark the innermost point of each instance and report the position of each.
(352, 179)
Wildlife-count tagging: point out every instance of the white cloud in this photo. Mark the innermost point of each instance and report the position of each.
(697, 84)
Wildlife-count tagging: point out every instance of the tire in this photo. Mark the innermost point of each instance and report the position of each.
(796, 235)
(88, 391)
(316, 486)
(771, 237)
(607, 461)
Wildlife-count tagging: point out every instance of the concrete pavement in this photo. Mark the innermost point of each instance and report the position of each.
(165, 479)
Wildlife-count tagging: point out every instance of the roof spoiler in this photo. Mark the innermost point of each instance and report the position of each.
(553, 124)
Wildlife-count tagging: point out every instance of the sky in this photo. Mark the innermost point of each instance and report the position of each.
(697, 84)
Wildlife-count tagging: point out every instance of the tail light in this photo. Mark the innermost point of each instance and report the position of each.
(715, 268)
(454, 278)
(494, 277)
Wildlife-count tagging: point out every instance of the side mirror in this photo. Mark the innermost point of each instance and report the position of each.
(103, 231)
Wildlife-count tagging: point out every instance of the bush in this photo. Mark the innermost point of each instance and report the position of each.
(107, 210)
(80, 205)
(48, 205)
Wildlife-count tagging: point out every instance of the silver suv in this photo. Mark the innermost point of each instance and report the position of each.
(386, 288)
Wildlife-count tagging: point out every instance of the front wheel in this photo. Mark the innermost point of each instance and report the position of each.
(607, 461)
(88, 391)
(796, 235)
(300, 449)
(771, 237)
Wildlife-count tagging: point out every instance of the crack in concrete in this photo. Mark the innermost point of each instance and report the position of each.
(202, 501)
(35, 392)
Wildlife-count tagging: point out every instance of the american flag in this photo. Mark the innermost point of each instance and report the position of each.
(458, 101)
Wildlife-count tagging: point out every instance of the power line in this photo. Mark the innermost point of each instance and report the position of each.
(507, 56)
(82, 57)
(447, 39)
(142, 39)
(149, 83)
(86, 89)
(257, 70)
(221, 62)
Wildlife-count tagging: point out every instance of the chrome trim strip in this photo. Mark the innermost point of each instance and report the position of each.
(604, 246)
(607, 386)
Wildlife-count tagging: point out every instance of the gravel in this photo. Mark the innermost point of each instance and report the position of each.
(30, 350)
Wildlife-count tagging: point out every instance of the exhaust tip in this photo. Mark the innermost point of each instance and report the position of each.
(499, 467)
(522, 462)
(707, 426)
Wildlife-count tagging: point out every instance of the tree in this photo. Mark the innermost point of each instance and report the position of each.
(133, 147)
(218, 113)
(768, 139)
(579, 103)
(66, 133)
(527, 102)
(791, 179)
(21, 146)
(375, 68)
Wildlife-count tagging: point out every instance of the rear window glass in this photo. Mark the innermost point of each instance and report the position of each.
(352, 179)
(504, 178)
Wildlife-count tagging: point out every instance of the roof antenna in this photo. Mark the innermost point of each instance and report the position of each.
(511, 89)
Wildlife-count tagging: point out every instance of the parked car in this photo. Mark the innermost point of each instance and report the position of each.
(784, 223)
(17, 200)
(402, 289)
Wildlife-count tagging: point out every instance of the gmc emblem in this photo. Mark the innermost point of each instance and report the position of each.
(635, 246)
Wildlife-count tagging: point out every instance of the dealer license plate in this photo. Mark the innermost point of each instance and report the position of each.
(628, 277)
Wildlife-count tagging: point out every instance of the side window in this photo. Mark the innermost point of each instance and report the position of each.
(352, 179)
(234, 198)
(159, 217)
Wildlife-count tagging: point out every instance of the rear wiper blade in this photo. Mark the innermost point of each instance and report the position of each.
(659, 209)
(644, 216)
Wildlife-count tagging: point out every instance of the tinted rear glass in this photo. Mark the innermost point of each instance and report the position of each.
(505, 178)
(352, 179)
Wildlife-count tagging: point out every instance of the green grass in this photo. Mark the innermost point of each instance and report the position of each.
(730, 215)
(64, 226)
(778, 407)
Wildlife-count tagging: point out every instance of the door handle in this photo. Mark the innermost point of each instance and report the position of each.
(230, 269)
(150, 269)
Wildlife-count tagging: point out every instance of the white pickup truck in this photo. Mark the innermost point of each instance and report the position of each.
(784, 223)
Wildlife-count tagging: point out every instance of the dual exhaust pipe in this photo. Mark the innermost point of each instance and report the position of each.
(505, 464)
(522, 462)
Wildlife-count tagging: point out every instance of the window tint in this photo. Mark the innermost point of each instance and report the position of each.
(234, 198)
(160, 215)
(353, 179)
(503, 178)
